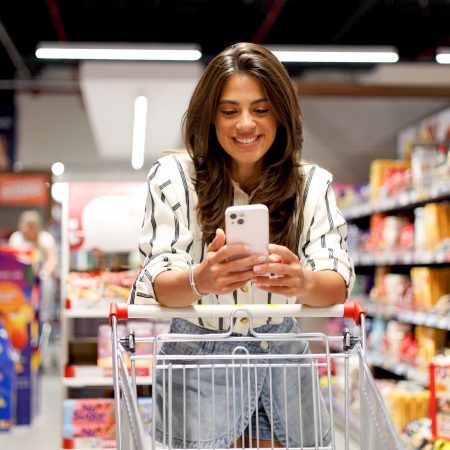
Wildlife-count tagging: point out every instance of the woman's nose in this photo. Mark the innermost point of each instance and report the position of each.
(245, 122)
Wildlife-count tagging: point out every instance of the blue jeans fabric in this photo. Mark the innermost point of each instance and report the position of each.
(212, 408)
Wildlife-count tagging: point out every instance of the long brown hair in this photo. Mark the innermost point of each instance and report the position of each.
(280, 185)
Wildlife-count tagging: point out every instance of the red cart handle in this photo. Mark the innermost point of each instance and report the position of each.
(354, 310)
(119, 310)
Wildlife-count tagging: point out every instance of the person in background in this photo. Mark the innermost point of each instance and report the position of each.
(243, 134)
(31, 235)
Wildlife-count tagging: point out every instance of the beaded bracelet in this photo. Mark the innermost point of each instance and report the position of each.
(192, 266)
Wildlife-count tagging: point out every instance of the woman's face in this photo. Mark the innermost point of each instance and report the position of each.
(30, 231)
(245, 124)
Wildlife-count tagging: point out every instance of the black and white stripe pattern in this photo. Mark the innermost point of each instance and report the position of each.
(171, 236)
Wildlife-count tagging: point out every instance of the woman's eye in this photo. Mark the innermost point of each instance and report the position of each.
(228, 112)
(261, 111)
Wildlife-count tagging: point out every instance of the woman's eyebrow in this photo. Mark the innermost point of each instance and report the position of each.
(234, 102)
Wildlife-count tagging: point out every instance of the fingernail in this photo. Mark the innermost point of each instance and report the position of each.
(257, 268)
(261, 259)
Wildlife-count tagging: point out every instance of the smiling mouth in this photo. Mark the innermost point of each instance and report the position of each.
(246, 141)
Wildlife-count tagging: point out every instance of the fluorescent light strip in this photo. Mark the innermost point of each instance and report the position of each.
(443, 55)
(116, 52)
(336, 54)
(139, 128)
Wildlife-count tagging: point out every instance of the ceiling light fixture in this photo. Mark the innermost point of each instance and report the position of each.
(326, 54)
(139, 128)
(58, 169)
(117, 52)
(443, 55)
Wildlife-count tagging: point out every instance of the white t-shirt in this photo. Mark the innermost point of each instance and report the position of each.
(45, 243)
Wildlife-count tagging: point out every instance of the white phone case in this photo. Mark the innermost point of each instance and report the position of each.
(248, 224)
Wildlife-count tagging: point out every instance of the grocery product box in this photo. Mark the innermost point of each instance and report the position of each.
(19, 298)
(84, 443)
(91, 411)
(440, 397)
(6, 381)
(145, 405)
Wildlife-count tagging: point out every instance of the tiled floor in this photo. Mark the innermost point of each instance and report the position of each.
(45, 433)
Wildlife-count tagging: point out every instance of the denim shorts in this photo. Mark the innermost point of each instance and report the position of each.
(211, 408)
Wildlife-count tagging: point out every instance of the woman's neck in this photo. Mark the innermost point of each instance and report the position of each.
(245, 177)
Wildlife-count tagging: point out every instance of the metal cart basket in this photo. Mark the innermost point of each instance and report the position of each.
(216, 397)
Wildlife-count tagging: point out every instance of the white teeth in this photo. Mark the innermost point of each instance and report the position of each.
(246, 141)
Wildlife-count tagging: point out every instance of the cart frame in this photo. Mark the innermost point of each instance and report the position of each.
(377, 430)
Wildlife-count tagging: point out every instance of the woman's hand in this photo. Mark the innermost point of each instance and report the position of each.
(282, 273)
(224, 268)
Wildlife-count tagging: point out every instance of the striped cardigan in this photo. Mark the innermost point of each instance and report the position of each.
(171, 237)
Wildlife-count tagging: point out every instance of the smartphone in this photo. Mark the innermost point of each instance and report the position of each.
(249, 225)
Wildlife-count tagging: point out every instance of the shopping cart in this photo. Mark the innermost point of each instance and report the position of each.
(189, 387)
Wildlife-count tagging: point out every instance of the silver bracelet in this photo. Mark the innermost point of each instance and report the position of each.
(192, 267)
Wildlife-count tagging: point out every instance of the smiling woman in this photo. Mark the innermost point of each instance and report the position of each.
(243, 134)
(245, 126)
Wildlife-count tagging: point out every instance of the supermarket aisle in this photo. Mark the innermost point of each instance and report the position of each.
(45, 433)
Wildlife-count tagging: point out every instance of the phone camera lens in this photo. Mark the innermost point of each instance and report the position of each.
(233, 216)
(240, 221)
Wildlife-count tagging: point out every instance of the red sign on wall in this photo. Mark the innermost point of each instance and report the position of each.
(29, 190)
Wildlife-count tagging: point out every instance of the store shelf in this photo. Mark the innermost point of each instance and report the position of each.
(406, 199)
(97, 313)
(401, 257)
(80, 382)
(385, 311)
(402, 369)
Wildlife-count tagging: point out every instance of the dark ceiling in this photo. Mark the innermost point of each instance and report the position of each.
(415, 27)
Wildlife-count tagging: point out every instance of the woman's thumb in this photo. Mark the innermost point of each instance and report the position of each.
(218, 241)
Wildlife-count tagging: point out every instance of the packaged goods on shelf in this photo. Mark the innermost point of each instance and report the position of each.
(19, 301)
(6, 381)
(392, 289)
(145, 405)
(88, 443)
(390, 232)
(440, 396)
(89, 419)
(381, 171)
(425, 160)
(89, 430)
(141, 329)
(436, 223)
(442, 307)
(104, 344)
(407, 402)
(363, 285)
(429, 285)
(89, 290)
(350, 194)
(417, 434)
(430, 341)
(90, 423)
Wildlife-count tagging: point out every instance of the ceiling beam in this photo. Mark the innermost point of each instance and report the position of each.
(368, 90)
(13, 53)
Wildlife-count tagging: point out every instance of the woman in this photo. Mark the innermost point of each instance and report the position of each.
(31, 235)
(243, 134)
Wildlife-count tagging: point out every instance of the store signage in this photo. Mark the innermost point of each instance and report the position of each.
(105, 216)
(29, 190)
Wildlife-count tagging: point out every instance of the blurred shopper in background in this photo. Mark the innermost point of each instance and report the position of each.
(31, 235)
